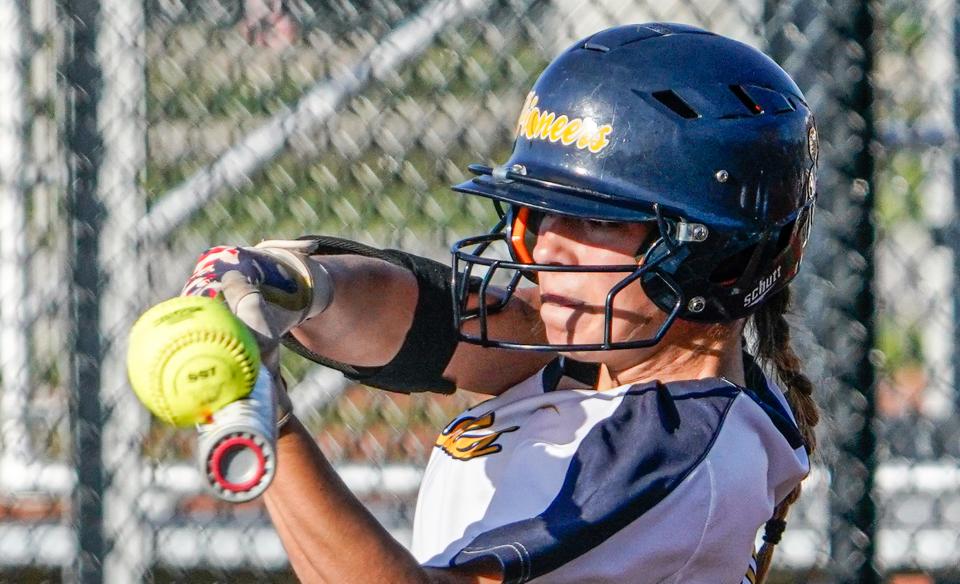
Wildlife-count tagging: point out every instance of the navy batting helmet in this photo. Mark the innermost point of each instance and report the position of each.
(703, 135)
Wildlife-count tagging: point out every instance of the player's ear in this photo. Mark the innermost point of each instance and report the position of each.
(650, 239)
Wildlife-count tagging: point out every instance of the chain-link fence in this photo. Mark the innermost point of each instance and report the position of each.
(136, 133)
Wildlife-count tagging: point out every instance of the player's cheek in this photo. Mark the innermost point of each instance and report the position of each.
(633, 313)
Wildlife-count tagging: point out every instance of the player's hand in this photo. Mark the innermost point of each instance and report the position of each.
(292, 287)
(272, 288)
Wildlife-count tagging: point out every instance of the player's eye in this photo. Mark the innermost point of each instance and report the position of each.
(607, 225)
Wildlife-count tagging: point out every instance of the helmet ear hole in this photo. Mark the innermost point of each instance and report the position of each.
(731, 268)
(785, 237)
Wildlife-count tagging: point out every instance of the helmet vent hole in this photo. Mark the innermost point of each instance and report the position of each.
(752, 106)
(676, 104)
(596, 47)
(786, 107)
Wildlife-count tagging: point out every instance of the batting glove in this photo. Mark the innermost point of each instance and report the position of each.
(272, 288)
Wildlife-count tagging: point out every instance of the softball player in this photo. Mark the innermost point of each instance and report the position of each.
(659, 196)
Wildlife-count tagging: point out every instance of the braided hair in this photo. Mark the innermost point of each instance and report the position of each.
(773, 350)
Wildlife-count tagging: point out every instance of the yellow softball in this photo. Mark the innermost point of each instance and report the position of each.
(188, 357)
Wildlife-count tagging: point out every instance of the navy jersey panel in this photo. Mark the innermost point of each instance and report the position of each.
(778, 414)
(625, 465)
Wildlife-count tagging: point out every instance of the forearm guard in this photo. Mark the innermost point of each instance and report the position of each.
(432, 338)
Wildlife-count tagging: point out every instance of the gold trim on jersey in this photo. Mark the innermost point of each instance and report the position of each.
(751, 575)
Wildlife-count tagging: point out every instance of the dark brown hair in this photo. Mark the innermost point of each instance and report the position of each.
(774, 352)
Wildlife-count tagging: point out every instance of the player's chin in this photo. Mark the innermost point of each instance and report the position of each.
(593, 335)
(584, 333)
(568, 325)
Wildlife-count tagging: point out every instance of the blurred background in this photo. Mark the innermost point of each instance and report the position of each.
(134, 134)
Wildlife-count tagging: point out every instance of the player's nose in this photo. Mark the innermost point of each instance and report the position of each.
(556, 241)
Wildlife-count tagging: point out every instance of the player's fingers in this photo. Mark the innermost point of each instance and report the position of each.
(246, 301)
(205, 279)
(235, 287)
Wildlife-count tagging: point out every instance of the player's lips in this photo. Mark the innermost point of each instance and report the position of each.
(559, 300)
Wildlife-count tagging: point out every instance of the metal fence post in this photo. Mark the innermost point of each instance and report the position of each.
(86, 214)
(852, 507)
(838, 39)
(954, 229)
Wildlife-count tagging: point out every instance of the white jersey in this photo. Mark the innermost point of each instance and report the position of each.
(642, 483)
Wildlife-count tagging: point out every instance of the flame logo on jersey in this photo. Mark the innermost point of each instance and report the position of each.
(455, 441)
(537, 124)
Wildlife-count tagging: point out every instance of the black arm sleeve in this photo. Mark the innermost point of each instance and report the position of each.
(431, 340)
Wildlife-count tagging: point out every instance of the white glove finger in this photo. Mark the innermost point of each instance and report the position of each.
(246, 301)
(235, 288)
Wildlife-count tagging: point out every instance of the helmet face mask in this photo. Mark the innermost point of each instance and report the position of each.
(703, 136)
(471, 252)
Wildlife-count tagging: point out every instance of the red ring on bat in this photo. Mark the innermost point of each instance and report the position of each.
(228, 445)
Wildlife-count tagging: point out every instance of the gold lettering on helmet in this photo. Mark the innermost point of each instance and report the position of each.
(556, 130)
(570, 133)
(539, 124)
(544, 124)
(586, 133)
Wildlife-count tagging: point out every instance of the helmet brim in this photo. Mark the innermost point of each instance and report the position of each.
(556, 201)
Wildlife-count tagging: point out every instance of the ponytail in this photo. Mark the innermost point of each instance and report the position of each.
(774, 351)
